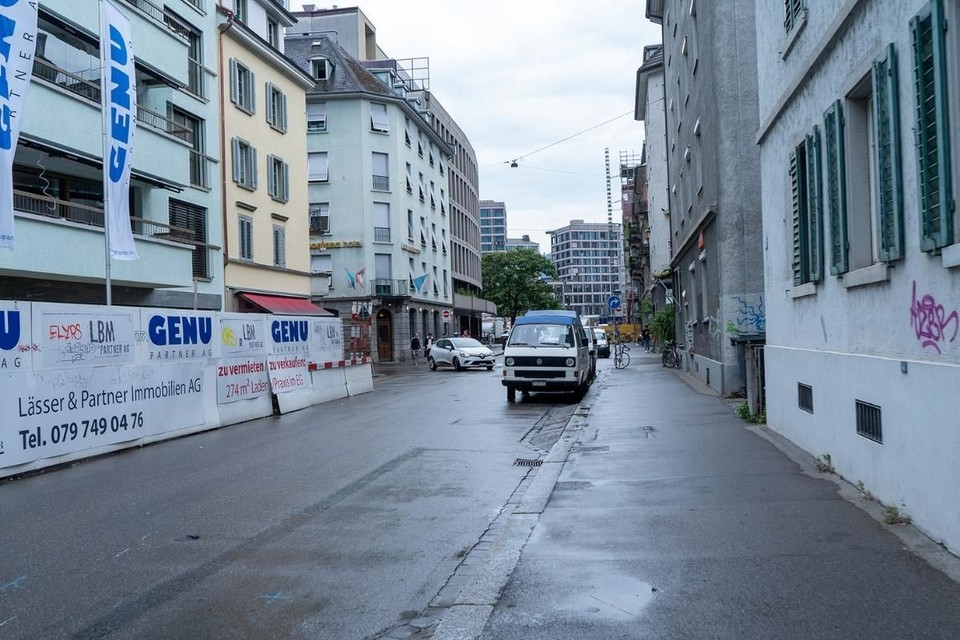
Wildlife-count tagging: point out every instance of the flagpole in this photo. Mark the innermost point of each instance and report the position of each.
(106, 206)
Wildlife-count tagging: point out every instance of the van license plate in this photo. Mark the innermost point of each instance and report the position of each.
(539, 383)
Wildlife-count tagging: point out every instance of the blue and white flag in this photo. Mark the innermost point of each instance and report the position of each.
(18, 38)
(118, 96)
(419, 281)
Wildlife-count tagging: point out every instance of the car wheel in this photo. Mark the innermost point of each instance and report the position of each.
(456, 363)
(511, 394)
(432, 364)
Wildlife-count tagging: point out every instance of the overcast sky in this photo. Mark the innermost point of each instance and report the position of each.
(518, 76)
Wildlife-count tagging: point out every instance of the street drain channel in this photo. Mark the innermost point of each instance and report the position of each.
(527, 462)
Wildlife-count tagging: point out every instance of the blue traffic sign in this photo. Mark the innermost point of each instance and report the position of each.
(613, 302)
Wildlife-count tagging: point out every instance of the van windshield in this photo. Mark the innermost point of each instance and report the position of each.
(542, 335)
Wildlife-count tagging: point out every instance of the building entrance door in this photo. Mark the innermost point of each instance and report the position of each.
(384, 336)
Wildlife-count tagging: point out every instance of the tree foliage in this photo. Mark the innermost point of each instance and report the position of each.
(515, 282)
(662, 326)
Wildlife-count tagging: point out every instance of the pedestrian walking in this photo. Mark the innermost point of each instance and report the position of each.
(415, 348)
(427, 345)
(645, 339)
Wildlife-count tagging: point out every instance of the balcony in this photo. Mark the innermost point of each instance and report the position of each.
(381, 234)
(396, 289)
(381, 183)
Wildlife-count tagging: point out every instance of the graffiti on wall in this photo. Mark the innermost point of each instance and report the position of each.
(933, 326)
(746, 314)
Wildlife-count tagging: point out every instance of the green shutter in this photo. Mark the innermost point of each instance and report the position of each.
(814, 223)
(795, 192)
(889, 186)
(836, 188)
(932, 132)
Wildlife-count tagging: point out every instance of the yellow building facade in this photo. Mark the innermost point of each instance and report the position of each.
(265, 204)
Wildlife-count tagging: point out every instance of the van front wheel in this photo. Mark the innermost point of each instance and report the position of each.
(511, 394)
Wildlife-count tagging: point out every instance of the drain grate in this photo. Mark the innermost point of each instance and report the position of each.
(527, 462)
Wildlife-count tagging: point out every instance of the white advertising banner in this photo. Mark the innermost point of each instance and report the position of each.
(119, 105)
(16, 344)
(178, 334)
(18, 35)
(242, 335)
(288, 373)
(288, 335)
(59, 412)
(84, 336)
(242, 379)
(326, 340)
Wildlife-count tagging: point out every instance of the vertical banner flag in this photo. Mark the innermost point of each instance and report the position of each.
(118, 97)
(18, 35)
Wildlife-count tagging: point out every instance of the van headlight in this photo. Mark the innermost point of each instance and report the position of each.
(508, 362)
(571, 362)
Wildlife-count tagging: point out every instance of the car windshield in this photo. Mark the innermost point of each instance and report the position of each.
(600, 334)
(465, 343)
(542, 335)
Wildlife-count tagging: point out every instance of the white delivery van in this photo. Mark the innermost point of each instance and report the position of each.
(547, 351)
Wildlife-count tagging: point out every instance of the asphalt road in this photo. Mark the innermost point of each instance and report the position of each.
(343, 520)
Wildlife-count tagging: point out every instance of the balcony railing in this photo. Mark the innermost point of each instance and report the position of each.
(164, 124)
(200, 169)
(155, 13)
(381, 183)
(384, 288)
(381, 234)
(82, 214)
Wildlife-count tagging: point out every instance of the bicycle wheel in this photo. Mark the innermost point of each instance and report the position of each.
(624, 360)
(670, 359)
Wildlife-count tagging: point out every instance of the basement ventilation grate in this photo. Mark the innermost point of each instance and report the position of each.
(527, 462)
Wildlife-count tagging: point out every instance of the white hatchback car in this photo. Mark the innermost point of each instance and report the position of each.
(459, 353)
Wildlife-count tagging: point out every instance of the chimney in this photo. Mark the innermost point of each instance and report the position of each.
(309, 7)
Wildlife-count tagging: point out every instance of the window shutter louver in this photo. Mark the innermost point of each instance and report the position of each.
(887, 156)
(253, 168)
(814, 239)
(283, 112)
(795, 192)
(836, 188)
(234, 82)
(237, 166)
(932, 127)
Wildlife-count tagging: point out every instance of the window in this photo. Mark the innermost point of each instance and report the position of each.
(242, 92)
(321, 264)
(794, 11)
(246, 237)
(932, 126)
(240, 10)
(194, 134)
(320, 217)
(244, 164)
(279, 246)
(317, 167)
(321, 68)
(276, 108)
(189, 216)
(273, 33)
(381, 222)
(278, 179)
(410, 224)
(381, 175)
(422, 189)
(836, 195)
(381, 266)
(409, 178)
(378, 118)
(316, 117)
(805, 188)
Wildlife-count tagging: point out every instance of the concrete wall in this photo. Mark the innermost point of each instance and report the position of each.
(892, 340)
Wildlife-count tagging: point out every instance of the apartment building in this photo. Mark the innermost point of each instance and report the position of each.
(493, 226)
(264, 134)
(712, 168)
(59, 253)
(523, 242)
(858, 113)
(589, 261)
(649, 109)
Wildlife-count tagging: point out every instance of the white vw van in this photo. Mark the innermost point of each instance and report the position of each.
(546, 351)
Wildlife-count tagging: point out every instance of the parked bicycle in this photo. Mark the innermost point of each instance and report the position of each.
(671, 356)
(621, 356)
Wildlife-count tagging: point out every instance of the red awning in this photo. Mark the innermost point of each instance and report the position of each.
(284, 305)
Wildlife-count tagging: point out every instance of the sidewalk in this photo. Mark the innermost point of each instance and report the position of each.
(661, 514)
